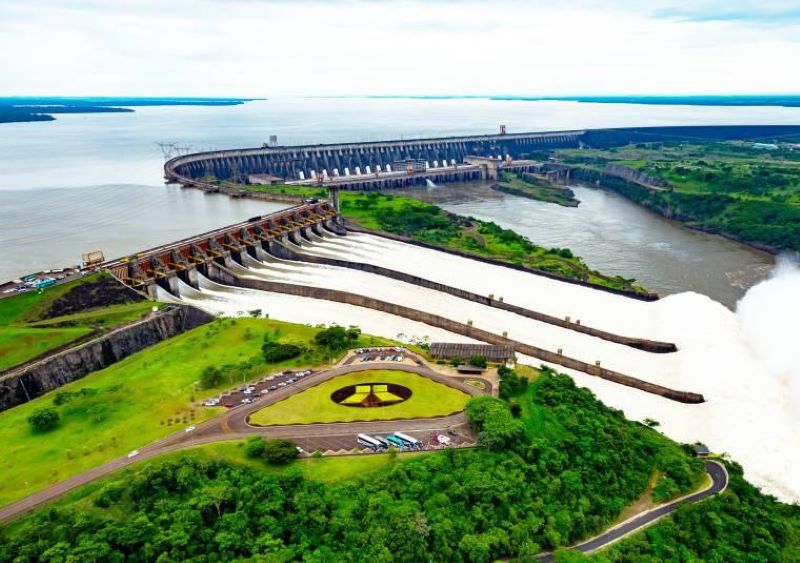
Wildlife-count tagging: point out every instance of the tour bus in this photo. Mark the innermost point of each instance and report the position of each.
(413, 442)
(385, 443)
(369, 442)
(395, 441)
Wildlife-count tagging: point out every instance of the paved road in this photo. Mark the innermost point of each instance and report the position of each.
(719, 482)
(232, 425)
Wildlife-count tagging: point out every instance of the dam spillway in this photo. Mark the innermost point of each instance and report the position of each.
(184, 259)
(710, 360)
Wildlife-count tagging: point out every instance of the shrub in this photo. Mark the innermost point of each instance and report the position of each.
(279, 451)
(511, 384)
(255, 447)
(277, 352)
(478, 361)
(44, 419)
(455, 362)
(211, 377)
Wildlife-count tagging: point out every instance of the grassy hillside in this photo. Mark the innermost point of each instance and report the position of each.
(139, 400)
(729, 188)
(31, 323)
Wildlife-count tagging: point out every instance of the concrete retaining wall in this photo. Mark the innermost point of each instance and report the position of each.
(462, 329)
(35, 379)
(639, 343)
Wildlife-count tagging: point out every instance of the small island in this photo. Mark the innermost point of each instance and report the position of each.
(535, 186)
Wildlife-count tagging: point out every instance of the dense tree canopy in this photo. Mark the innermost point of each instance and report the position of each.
(573, 466)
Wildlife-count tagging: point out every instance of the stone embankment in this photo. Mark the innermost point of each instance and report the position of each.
(224, 276)
(639, 343)
(37, 378)
(635, 176)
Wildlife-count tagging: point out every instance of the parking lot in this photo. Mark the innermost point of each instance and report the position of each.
(249, 392)
(349, 442)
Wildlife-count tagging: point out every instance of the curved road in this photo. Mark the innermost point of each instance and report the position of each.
(719, 482)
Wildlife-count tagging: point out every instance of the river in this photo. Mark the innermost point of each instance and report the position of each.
(94, 181)
(616, 236)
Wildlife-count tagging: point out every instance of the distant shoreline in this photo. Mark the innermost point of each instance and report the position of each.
(790, 100)
(24, 109)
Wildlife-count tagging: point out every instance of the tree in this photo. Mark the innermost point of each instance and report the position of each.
(337, 338)
(478, 361)
(255, 447)
(277, 352)
(455, 362)
(279, 452)
(43, 419)
(212, 376)
(492, 418)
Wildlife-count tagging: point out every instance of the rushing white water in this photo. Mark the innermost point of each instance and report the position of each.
(744, 364)
(229, 301)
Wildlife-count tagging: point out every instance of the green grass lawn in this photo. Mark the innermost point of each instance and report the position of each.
(324, 469)
(314, 405)
(18, 345)
(24, 335)
(101, 317)
(139, 400)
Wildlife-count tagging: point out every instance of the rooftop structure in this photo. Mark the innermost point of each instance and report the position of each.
(492, 352)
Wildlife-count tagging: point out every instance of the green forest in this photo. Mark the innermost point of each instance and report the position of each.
(729, 188)
(557, 466)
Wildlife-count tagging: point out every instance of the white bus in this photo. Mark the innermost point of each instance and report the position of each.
(369, 442)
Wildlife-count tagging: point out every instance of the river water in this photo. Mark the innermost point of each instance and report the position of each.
(618, 237)
(94, 181)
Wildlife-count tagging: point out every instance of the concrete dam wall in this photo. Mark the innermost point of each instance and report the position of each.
(33, 380)
(297, 162)
(640, 343)
(224, 276)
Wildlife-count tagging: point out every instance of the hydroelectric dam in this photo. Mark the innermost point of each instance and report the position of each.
(371, 165)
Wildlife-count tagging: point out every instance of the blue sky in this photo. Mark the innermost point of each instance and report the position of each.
(439, 47)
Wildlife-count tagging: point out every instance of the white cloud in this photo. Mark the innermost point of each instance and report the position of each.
(272, 47)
